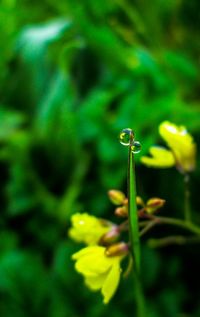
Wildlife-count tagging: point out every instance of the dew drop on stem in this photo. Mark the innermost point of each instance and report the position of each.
(136, 147)
(126, 137)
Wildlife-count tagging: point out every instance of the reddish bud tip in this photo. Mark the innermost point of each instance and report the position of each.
(153, 204)
(111, 236)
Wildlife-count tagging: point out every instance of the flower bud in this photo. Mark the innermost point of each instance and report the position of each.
(116, 196)
(153, 204)
(139, 201)
(111, 236)
(121, 211)
(117, 249)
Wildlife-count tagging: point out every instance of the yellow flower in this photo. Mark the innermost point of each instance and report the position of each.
(181, 143)
(182, 151)
(100, 272)
(87, 229)
(160, 158)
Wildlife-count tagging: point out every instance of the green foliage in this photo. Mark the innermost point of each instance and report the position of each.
(72, 75)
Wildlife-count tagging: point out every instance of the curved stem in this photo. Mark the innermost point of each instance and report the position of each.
(124, 226)
(179, 240)
(179, 223)
(148, 227)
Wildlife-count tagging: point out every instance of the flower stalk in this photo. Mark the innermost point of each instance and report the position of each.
(179, 223)
(134, 232)
(133, 217)
(178, 240)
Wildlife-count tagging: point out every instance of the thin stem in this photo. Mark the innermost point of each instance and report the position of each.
(143, 223)
(149, 225)
(187, 210)
(179, 223)
(133, 217)
(124, 226)
(179, 240)
(129, 267)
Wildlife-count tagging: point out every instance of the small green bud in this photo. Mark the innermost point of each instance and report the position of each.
(139, 201)
(121, 211)
(116, 196)
(153, 204)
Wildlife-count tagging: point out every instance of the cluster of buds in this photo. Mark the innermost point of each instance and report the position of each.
(111, 238)
(150, 207)
(119, 199)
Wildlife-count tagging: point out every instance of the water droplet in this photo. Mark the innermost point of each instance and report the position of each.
(126, 137)
(136, 147)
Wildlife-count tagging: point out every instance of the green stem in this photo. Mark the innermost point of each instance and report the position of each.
(179, 223)
(133, 217)
(148, 227)
(179, 240)
(141, 311)
(187, 210)
(134, 235)
(127, 139)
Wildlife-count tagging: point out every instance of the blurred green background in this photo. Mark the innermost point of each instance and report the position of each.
(72, 75)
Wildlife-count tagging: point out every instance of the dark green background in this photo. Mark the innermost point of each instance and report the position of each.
(72, 75)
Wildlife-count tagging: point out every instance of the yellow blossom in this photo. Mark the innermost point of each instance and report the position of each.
(86, 228)
(100, 272)
(182, 151)
(181, 143)
(160, 158)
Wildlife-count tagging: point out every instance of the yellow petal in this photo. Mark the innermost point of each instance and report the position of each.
(95, 283)
(85, 251)
(111, 282)
(91, 261)
(92, 265)
(86, 228)
(160, 158)
(181, 144)
(99, 270)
